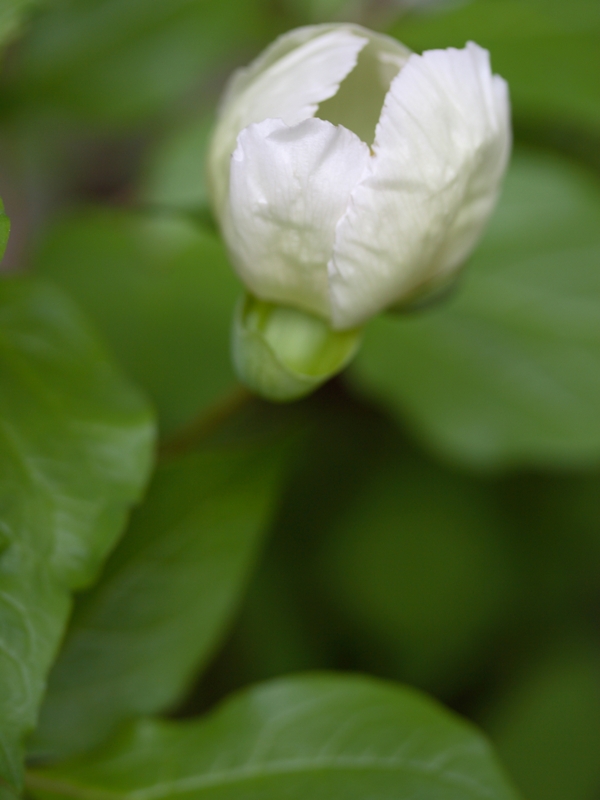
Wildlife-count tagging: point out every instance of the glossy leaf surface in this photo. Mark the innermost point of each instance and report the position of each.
(319, 737)
(142, 633)
(75, 450)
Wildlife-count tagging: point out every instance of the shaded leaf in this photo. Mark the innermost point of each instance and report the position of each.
(316, 11)
(319, 737)
(175, 175)
(418, 567)
(556, 527)
(4, 229)
(75, 447)
(12, 14)
(141, 634)
(162, 292)
(509, 369)
(546, 724)
(117, 61)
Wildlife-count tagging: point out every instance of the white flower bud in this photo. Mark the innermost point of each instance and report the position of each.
(349, 175)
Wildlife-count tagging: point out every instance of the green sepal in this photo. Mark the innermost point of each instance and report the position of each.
(282, 353)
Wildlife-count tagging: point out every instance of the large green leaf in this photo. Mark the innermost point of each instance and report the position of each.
(75, 447)
(509, 369)
(143, 632)
(546, 49)
(318, 737)
(162, 292)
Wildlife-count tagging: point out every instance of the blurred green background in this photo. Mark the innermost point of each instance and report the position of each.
(441, 523)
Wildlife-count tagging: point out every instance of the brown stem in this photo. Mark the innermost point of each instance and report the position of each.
(205, 423)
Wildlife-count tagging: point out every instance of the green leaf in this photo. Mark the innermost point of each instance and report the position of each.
(161, 291)
(75, 450)
(547, 50)
(307, 737)
(141, 634)
(556, 529)
(4, 230)
(311, 11)
(117, 61)
(12, 14)
(272, 634)
(546, 724)
(418, 568)
(175, 175)
(508, 371)
(7, 794)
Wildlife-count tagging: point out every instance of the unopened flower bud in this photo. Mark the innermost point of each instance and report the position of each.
(349, 175)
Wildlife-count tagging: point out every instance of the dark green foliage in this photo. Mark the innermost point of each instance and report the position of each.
(431, 518)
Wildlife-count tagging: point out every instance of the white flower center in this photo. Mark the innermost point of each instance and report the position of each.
(358, 102)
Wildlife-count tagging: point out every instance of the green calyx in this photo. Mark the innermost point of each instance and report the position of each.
(282, 353)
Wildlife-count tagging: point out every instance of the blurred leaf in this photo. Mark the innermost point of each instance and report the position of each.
(378, 14)
(509, 369)
(546, 49)
(4, 230)
(311, 11)
(418, 565)
(116, 61)
(7, 794)
(319, 737)
(175, 173)
(547, 725)
(557, 530)
(271, 636)
(162, 292)
(285, 623)
(12, 13)
(75, 453)
(140, 634)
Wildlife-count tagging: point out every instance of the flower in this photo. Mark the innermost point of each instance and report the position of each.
(350, 175)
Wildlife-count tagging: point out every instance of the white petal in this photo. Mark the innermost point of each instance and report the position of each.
(440, 152)
(289, 186)
(288, 81)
